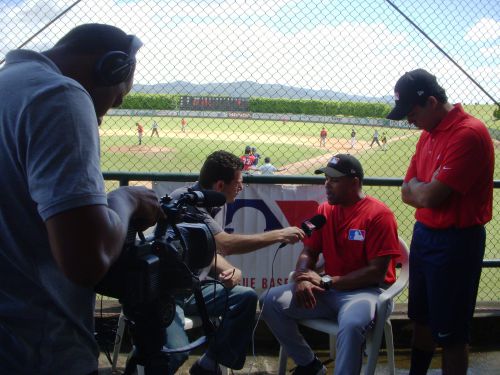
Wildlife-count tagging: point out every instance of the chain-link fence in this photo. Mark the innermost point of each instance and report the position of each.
(297, 80)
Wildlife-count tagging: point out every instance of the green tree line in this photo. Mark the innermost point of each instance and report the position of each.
(318, 107)
(268, 105)
(151, 101)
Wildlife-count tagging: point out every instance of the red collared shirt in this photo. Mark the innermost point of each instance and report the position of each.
(247, 160)
(354, 235)
(461, 147)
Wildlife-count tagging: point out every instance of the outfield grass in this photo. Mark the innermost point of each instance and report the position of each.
(285, 143)
(292, 144)
(484, 112)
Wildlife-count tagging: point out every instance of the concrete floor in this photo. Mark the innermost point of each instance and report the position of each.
(484, 358)
(485, 362)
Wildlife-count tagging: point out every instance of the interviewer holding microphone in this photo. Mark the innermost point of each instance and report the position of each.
(222, 172)
(358, 242)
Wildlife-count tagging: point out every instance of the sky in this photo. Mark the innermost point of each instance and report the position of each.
(359, 47)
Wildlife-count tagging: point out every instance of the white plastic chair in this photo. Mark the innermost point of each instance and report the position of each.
(189, 323)
(374, 337)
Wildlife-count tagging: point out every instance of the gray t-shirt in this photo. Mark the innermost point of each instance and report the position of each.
(50, 163)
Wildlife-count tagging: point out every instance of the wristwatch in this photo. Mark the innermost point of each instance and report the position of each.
(326, 282)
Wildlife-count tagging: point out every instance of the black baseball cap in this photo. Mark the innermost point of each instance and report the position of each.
(342, 165)
(412, 88)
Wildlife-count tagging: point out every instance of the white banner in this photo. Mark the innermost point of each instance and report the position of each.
(368, 121)
(259, 208)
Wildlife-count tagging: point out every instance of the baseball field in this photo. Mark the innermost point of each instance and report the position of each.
(291, 145)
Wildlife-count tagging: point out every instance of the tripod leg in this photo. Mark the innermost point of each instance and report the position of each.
(208, 327)
(131, 364)
(157, 365)
(153, 365)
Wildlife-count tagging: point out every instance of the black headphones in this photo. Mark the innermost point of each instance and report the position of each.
(115, 67)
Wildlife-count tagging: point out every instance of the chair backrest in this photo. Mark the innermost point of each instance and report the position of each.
(404, 260)
(402, 281)
(404, 274)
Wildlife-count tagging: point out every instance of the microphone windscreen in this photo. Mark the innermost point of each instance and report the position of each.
(318, 221)
(213, 198)
(314, 223)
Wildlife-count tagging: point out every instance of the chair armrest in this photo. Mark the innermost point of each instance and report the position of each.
(383, 303)
(393, 290)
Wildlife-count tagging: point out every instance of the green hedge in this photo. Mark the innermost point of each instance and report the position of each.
(267, 105)
(319, 107)
(496, 113)
(150, 101)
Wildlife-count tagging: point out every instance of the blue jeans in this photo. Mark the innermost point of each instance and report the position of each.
(229, 347)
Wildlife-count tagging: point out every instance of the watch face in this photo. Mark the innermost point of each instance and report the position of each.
(326, 282)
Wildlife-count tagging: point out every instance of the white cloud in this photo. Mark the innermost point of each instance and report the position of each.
(19, 22)
(459, 87)
(356, 58)
(484, 29)
(225, 9)
(491, 51)
(225, 41)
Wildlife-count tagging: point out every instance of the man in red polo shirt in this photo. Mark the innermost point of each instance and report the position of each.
(450, 183)
(359, 241)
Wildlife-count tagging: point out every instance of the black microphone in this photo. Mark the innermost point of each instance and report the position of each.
(203, 198)
(308, 226)
(314, 223)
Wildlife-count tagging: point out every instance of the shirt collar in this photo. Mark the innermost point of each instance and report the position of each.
(24, 55)
(455, 115)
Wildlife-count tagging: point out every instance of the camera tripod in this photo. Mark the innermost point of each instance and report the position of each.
(147, 324)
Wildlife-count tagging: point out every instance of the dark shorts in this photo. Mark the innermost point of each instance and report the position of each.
(445, 268)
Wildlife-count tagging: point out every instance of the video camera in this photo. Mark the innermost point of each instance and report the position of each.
(150, 271)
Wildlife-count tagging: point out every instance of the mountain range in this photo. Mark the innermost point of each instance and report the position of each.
(253, 89)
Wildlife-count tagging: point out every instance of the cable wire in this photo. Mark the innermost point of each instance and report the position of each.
(442, 51)
(45, 26)
(260, 314)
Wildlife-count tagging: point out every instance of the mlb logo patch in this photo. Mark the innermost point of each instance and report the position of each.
(356, 235)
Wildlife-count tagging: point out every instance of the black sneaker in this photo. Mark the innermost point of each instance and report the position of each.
(313, 368)
(196, 369)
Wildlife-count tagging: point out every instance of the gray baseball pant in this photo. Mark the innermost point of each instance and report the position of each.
(354, 311)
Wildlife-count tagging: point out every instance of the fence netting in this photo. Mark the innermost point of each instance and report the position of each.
(297, 81)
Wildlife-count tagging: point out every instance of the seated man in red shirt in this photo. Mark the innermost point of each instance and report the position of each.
(358, 242)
